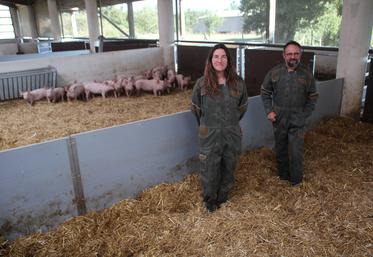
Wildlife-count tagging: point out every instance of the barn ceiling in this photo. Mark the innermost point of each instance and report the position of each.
(11, 3)
(68, 4)
(64, 4)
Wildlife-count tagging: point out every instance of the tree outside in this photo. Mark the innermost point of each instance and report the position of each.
(146, 22)
(211, 21)
(309, 22)
(314, 22)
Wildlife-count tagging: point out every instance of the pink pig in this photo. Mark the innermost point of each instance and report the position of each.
(97, 88)
(171, 77)
(34, 95)
(55, 94)
(182, 81)
(74, 91)
(129, 85)
(153, 85)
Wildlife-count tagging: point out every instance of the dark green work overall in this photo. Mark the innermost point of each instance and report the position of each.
(219, 137)
(292, 96)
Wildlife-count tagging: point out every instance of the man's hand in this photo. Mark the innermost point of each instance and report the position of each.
(271, 116)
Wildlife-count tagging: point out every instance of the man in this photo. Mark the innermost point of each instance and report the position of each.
(289, 96)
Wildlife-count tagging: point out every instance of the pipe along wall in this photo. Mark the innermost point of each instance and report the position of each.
(42, 185)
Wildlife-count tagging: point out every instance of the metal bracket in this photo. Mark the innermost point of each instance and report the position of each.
(76, 177)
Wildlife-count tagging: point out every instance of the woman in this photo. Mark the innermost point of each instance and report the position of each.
(219, 100)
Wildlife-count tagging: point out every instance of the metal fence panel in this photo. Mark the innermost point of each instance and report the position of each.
(13, 82)
(35, 188)
(120, 162)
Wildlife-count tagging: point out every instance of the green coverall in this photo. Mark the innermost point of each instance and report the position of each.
(292, 96)
(220, 137)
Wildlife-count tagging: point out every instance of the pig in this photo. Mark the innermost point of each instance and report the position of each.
(75, 91)
(182, 81)
(137, 77)
(171, 77)
(34, 95)
(153, 85)
(55, 94)
(97, 88)
(167, 86)
(159, 72)
(129, 85)
(117, 85)
(148, 74)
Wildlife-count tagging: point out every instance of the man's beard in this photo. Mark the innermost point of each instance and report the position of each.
(293, 63)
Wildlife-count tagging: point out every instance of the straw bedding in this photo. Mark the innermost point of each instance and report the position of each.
(330, 214)
(22, 124)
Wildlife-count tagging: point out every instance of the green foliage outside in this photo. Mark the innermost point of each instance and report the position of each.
(191, 18)
(212, 21)
(209, 19)
(311, 22)
(146, 23)
(81, 24)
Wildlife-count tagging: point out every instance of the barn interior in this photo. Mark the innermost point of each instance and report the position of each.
(119, 176)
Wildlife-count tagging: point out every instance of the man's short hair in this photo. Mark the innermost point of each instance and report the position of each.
(292, 42)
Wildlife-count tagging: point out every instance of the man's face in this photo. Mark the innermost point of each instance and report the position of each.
(292, 56)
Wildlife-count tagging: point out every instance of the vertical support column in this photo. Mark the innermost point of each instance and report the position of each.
(182, 19)
(272, 21)
(357, 21)
(131, 21)
(15, 21)
(166, 31)
(54, 17)
(32, 22)
(73, 24)
(92, 19)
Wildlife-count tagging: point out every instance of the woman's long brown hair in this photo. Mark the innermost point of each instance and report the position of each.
(211, 78)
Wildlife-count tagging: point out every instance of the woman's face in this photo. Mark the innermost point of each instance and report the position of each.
(219, 60)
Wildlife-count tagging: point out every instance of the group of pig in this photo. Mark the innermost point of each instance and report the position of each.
(158, 81)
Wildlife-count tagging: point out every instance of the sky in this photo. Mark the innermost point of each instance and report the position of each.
(218, 5)
(213, 5)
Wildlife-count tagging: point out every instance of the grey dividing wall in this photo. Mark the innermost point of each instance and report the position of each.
(44, 184)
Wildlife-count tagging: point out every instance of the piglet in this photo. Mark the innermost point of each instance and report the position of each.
(75, 91)
(182, 81)
(97, 88)
(153, 85)
(171, 77)
(129, 85)
(55, 94)
(34, 95)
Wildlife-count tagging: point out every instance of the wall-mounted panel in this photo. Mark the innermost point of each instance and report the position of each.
(259, 61)
(191, 59)
(329, 101)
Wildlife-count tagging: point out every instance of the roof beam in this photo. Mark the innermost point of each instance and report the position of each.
(13, 2)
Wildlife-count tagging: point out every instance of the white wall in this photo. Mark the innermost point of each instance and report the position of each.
(99, 66)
